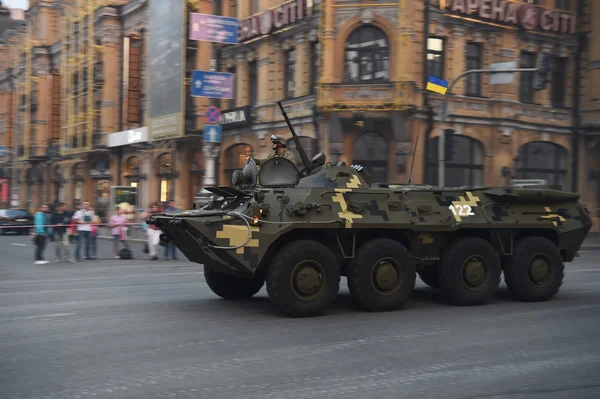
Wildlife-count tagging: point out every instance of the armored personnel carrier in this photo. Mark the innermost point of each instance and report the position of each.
(300, 230)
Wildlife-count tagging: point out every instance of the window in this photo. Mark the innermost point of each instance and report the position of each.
(235, 158)
(367, 55)
(526, 87)
(289, 80)
(463, 168)
(435, 57)
(314, 67)
(232, 103)
(563, 5)
(371, 151)
(253, 82)
(542, 160)
(254, 6)
(473, 84)
(559, 82)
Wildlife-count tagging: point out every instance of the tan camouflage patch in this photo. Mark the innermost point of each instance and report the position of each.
(354, 182)
(345, 213)
(426, 238)
(463, 207)
(237, 235)
(553, 216)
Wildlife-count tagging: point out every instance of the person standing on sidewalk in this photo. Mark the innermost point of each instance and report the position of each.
(153, 232)
(60, 221)
(170, 248)
(83, 217)
(118, 225)
(40, 233)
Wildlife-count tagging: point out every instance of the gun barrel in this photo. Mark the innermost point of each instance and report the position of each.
(307, 163)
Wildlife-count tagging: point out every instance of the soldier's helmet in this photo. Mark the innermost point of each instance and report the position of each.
(275, 139)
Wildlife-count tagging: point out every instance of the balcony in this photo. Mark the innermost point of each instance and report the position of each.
(364, 97)
(38, 152)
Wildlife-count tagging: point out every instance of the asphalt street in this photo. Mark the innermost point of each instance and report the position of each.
(153, 329)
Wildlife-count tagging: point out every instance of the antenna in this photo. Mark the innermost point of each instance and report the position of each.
(412, 163)
(307, 163)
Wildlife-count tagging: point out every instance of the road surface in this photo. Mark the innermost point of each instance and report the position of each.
(153, 329)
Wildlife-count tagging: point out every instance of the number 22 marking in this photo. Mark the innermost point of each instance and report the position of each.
(462, 210)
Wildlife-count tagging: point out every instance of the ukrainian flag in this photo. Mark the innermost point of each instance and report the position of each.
(437, 85)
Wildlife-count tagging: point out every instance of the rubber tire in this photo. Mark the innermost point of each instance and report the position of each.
(231, 287)
(281, 267)
(430, 276)
(516, 273)
(359, 275)
(449, 272)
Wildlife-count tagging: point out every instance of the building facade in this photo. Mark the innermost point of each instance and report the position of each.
(351, 74)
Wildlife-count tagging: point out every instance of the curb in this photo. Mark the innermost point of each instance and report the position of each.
(589, 247)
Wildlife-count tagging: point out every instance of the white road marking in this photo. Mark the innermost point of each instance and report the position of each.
(97, 278)
(17, 244)
(43, 316)
(582, 270)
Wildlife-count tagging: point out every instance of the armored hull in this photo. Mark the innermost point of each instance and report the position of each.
(380, 236)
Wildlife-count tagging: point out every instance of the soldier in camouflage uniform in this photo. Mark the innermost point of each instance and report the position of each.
(280, 150)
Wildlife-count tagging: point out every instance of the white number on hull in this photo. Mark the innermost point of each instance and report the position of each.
(462, 210)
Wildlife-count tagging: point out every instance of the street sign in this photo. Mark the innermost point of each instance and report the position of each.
(213, 114)
(502, 78)
(212, 84)
(213, 133)
(213, 28)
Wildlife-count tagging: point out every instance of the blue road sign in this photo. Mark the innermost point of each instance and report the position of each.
(213, 133)
(213, 28)
(212, 84)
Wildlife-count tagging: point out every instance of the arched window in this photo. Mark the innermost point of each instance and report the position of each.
(235, 158)
(542, 160)
(367, 55)
(164, 170)
(310, 147)
(371, 151)
(463, 166)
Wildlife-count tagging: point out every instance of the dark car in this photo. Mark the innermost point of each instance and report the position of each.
(17, 220)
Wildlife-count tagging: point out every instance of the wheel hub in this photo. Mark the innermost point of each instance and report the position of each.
(539, 271)
(387, 277)
(307, 280)
(474, 273)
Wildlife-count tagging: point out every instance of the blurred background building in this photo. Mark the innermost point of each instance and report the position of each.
(97, 93)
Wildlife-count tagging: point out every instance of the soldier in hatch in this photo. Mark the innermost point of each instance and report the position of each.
(279, 150)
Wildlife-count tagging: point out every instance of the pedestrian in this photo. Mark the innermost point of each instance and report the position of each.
(118, 225)
(170, 248)
(40, 233)
(94, 234)
(153, 232)
(60, 221)
(83, 218)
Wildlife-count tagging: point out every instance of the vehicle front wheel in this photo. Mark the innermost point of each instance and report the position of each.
(303, 279)
(535, 271)
(231, 287)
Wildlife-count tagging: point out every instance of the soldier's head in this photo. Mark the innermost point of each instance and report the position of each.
(278, 143)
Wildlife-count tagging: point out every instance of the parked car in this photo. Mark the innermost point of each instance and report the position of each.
(14, 220)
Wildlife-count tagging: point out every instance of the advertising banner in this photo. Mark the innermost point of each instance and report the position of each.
(125, 197)
(166, 53)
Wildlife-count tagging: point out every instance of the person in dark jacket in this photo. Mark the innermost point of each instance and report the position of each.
(60, 220)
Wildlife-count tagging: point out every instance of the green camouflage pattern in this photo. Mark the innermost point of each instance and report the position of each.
(242, 229)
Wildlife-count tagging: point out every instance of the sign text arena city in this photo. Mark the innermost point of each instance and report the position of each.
(526, 16)
(272, 20)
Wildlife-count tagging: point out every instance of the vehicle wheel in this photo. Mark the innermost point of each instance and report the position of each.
(469, 271)
(231, 287)
(303, 279)
(429, 276)
(535, 271)
(382, 275)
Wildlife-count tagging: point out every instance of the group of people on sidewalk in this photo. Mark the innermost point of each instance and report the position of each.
(81, 226)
